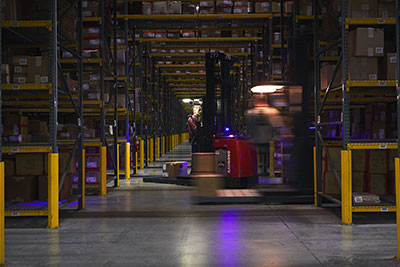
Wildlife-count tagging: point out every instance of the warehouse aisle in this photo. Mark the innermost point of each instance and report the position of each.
(179, 153)
(141, 224)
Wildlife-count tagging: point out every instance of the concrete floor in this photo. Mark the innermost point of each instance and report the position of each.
(142, 224)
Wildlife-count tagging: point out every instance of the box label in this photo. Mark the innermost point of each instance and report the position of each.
(393, 59)
(372, 76)
(379, 50)
(358, 199)
(365, 7)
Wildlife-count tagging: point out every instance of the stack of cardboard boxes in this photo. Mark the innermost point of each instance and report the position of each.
(27, 69)
(27, 179)
(372, 171)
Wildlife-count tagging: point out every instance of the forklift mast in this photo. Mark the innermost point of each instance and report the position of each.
(217, 121)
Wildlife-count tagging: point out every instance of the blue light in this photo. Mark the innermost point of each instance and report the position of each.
(226, 129)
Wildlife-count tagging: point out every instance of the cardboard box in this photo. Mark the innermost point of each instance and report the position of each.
(378, 161)
(377, 184)
(366, 42)
(276, 38)
(63, 157)
(188, 8)
(174, 7)
(29, 164)
(390, 66)
(19, 78)
(262, 7)
(207, 185)
(387, 9)
(38, 69)
(276, 7)
(379, 130)
(331, 185)
(174, 169)
(358, 181)
(305, 7)
(9, 165)
(21, 188)
(365, 198)
(203, 163)
(363, 9)
(326, 76)
(66, 190)
(363, 68)
(90, 32)
(358, 160)
(147, 8)
(288, 7)
(90, 8)
(20, 60)
(295, 95)
(20, 69)
(160, 8)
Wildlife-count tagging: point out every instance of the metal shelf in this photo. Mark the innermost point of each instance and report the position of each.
(195, 17)
(203, 39)
(27, 87)
(372, 21)
(27, 24)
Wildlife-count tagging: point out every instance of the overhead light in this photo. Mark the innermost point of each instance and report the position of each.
(266, 88)
(187, 100)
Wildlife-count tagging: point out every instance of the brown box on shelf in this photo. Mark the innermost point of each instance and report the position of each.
(147, 8)
(276, 38)
(38, 69)
(288, 7)
(38, 127)
(90, 32)
(363, 9)
(9, 165)
(62, 161)
(20, 69)
(29, 164)
(387, 9)
(20, 60)
(159, 8)
(378, 161)
(358, 181)
(276, 7)
(66, 190)
(331, 185)
(188, 8)
(363, 68)
(390, 66)
(358, 160)
(90, 8)
(262, 7)
(91, 43)
(379, 130)
(365, 199)
(208, 185)
(305, 7)
(326, 76)
(377, 184)
(366, 42)
(19, 78)
(21, 188)
(174, 7)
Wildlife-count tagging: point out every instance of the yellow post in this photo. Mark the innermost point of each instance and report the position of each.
(103, 170)
(157, 147)
(136, 162)
(397, 181)
(151, 150)
(315, 176)
(141, 154)
(346, 188)
(271, 159)
(148, 151)
(53, 190)
(2, 194)
(162, 145)
(127, 160)
(83, 178)
(117, 163)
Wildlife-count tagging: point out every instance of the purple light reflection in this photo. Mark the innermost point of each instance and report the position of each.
(229, 245)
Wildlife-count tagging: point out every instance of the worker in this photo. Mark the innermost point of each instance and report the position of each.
(194, 123)
(263, 124)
